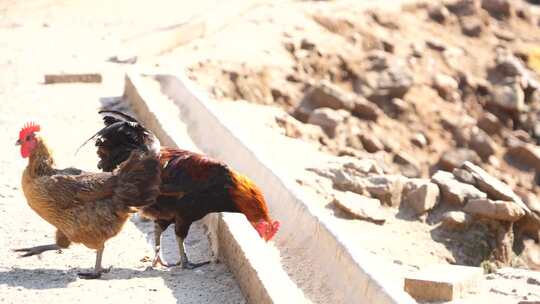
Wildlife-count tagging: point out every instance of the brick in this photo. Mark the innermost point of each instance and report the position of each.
(443, 282)
(69, 78)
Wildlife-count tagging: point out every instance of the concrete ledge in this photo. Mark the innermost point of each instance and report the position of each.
(351, 273)
(254, 265)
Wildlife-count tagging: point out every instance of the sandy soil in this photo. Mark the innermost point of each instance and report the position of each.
(42, 36)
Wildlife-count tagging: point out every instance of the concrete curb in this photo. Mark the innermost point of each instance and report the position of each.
(348, 269)
(231, 238)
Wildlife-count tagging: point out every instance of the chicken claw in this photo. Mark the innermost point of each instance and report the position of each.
(189, 265)
(36, 250)
(98, 270)
(94, 274)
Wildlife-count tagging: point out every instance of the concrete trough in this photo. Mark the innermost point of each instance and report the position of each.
(309, 254)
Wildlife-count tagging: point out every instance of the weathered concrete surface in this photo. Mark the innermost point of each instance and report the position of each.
(335, 262)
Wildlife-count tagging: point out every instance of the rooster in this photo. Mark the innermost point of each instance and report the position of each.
(193, 185)
(87, 208)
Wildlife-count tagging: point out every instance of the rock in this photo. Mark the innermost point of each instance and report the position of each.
(347, 173)
(387, 188)
(521, 135)
(460, 127)
(408, 165)
(525, 154)
(296, 129)
(482, 144)
(392, 82)
(492, 186)
(446, 86)
(378, 60)
(424, 198)
(361, 166)
(371, 143)
(531, 257)
(464, 176)
(307, 45)
(489, 123)
(463, 7)
(438, 13)
(436, 45)
(443, 282)
(402, 106)
(323, 95)
(453, 191)
(456, 220)
(328, 119)
(496, 210)
(411, 184)
(504, 35)
(360, 207)
(471, 26)
(419, 140)
(455, 158)
(364, 109)
(509, 69)
(509, 97)
(498, 8)
(390, 145)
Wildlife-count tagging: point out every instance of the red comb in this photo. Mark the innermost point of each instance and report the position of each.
(29, 128)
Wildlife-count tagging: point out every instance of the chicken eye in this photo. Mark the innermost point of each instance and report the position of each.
(28, 137)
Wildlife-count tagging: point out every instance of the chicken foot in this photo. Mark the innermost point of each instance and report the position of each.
(184, 261)
(37, 250)
(98, 270)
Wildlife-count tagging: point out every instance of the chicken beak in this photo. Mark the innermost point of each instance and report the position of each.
(18, 142)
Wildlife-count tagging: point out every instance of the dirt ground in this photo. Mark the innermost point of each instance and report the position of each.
(39, 37)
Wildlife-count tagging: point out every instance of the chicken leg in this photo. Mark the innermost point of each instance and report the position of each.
(184, 261)
(158, 231)
(37, 250)
(98, 270)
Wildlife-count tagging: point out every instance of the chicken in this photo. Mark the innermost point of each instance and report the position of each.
(87, 208)
(193, 185)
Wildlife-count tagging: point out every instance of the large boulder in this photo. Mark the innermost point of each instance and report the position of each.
(423, 198)
(489, 123)
(383, 85)
(508, 96)
(525, 154)
(453, 191)
(463, 7)
(482, 144)
(328, 119)
(323, 95)
(492, 186)
(498, 8)
(387, 188)
(360, 207)
(496, 210)
(455, 158)
(456, 220)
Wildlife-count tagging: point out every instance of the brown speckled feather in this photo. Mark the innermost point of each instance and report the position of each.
(88, 208)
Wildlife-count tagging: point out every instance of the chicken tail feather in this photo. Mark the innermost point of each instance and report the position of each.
(139, 178)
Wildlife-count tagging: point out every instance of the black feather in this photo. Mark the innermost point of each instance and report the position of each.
(122, 115)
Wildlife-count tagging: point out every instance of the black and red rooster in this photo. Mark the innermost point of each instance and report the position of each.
(193, 185)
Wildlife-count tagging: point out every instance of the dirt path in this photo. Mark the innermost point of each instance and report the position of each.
(41, 36)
